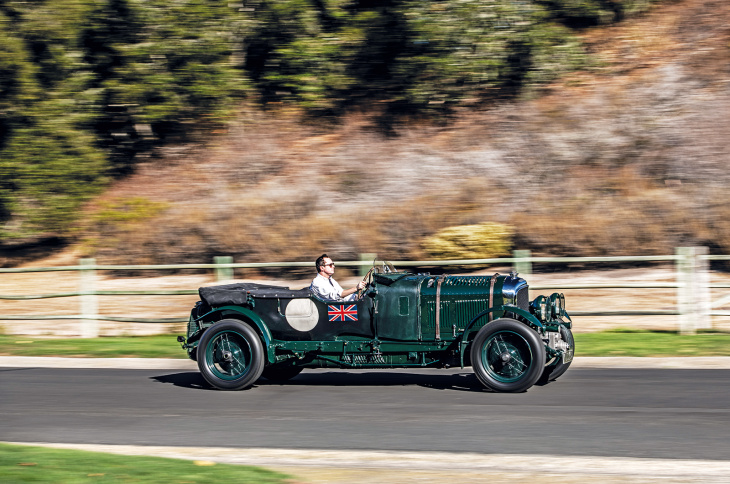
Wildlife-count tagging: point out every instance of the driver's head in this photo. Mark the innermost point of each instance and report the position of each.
(322, 260)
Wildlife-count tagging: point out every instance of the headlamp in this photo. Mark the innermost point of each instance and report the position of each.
(557, 305)
(540, 308)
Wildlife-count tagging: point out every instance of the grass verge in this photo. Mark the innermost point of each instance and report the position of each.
(651, 343)
(159, 346)
(607, 343)
(20, 463)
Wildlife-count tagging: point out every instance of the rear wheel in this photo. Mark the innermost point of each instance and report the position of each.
(507, 356)
(230, 355)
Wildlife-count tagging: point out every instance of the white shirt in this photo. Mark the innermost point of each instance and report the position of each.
(328, 289)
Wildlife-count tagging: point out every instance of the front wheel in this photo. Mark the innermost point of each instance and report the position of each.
(507, 356)
(230, 355)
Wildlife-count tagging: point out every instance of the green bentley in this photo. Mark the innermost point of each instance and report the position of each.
(240, 332)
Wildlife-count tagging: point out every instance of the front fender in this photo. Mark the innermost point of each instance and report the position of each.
(529, 318)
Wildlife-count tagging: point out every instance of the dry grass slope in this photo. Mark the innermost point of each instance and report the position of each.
(628, 158)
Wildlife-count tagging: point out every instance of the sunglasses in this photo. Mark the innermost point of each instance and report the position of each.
(331, 264)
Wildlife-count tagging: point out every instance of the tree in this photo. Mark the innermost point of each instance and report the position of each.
(410, 56)
(588, 13)
(161, 70)
(87, 85)
(48, 164)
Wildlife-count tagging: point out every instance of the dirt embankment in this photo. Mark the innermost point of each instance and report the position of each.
(626, 158)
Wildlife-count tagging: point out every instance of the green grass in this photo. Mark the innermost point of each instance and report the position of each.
(651, 343)
(607, 343)
(161, 346)
(20, 463)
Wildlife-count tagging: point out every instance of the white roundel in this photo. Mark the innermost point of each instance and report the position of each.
(301, 314)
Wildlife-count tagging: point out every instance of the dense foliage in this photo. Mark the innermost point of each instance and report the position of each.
(88, 87)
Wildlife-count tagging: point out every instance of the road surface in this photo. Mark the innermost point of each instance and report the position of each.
(654, 415)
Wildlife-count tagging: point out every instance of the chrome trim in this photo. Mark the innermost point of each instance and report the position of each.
(512, 285)
(492, 280)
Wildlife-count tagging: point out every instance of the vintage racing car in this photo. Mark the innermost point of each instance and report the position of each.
(240, 332)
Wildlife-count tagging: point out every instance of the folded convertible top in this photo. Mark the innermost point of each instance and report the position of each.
(236, 294)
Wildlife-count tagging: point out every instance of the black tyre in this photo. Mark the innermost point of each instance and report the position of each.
(230, 355)
(507, 356)
(551, 373)
(279, 373)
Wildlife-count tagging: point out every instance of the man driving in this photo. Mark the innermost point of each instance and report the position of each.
(324, 285)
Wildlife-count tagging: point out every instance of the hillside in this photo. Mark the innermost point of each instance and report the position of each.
(628, 157)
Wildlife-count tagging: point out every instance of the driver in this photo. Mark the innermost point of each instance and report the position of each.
(324, 285)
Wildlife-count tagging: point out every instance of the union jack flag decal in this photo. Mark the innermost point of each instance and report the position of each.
(342, 313)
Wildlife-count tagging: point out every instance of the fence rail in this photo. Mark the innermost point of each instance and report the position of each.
(694, 307)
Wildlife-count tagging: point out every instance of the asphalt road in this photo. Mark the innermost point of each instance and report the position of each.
(644, 413)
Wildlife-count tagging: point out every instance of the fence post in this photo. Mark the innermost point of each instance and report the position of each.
(703, 293)
(693, 290)
(223, 273)
(366, 257)
(89, 302)
(522, 265)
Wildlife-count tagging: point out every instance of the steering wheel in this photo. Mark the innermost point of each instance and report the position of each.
(385, 268)
(368, 280)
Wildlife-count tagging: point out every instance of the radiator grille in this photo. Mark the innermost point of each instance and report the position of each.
(523, 298)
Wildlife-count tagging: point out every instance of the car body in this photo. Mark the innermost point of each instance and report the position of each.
(240, 332)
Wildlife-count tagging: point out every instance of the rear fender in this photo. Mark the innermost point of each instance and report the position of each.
(255, 321)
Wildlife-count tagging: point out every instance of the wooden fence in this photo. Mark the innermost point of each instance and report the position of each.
(694, 307)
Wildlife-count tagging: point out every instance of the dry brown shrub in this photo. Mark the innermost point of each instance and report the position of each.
(623, 215)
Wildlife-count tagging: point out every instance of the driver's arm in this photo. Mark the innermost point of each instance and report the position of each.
(353, 290)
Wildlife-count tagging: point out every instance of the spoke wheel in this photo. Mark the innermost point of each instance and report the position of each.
(507, 356)
(230, 355)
